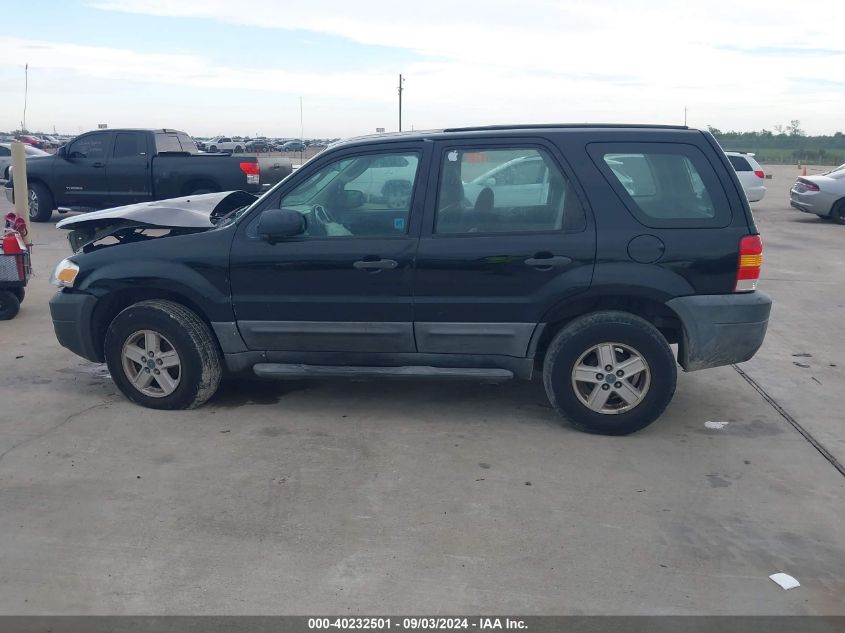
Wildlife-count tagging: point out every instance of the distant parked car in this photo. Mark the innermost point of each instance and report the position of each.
(6, 157)
(226, 144)
(750, 174)
(31, 140)
(258, 145)
(823, 195)
(294, 146)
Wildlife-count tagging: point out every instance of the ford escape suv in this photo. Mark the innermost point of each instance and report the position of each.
(578, 252)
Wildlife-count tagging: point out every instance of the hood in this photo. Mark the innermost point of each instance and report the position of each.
(187, 214)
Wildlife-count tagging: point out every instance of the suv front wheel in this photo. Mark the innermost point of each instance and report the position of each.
(609, 372)
(162, 355)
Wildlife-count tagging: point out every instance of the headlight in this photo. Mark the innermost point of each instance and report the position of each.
(65, 274)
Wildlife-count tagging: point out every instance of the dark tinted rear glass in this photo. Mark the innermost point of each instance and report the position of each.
(664, 185)
(739, 163)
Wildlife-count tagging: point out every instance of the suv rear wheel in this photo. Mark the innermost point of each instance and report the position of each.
(609, 372)
(162, 355)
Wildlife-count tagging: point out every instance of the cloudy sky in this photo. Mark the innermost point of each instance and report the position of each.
(240, 67)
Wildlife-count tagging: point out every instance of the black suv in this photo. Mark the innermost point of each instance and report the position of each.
(580, 252)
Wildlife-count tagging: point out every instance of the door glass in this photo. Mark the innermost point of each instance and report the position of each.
(504, 191)
(91, 146)
(362, 196)
(128, 144)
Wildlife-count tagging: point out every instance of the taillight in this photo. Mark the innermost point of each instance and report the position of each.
(750, 261)
(808, 185)
(759, 173)
(252, 171)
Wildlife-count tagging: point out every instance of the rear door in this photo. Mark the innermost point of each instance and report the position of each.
(80, 179)
(495, 256)
(128, 168)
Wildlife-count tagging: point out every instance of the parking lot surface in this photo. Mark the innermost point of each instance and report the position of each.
(335, 497)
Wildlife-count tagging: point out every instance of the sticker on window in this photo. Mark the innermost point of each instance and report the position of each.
(399, 224)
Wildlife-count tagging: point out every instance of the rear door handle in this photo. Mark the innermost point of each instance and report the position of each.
(375, 265)
(547, 263)
(98, 164)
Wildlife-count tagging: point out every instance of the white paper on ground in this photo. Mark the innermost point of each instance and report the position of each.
(785, 580)
(715, 425)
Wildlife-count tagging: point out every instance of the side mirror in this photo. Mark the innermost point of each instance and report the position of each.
(490, 182)
(62, 151)
(277, 224)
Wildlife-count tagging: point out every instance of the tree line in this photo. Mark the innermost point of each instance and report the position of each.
(785, 144)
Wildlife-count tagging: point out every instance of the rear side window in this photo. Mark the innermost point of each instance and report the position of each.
(739, 163)
(128, 144)
(188, 144)
(504, 190)
(168, 143)
(664, 185)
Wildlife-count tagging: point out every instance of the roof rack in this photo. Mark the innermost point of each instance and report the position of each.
(529, 126)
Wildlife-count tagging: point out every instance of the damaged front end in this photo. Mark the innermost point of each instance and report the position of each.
(152, 220)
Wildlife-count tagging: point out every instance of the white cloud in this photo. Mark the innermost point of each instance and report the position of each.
(484, 62)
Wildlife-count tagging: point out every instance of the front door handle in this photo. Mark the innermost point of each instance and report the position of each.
(547, 263)
(98, 164)
(375, 265)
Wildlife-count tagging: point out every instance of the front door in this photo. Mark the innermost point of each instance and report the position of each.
(346, 284)
(129, 169)
(80, 177)
(505, 238)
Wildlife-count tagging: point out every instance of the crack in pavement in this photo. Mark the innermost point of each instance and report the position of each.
(795, 423)
(53, 428)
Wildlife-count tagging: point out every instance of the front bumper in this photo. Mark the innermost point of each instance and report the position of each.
(72, 314)
(721, 329)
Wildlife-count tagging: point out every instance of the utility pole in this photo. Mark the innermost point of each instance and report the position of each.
(401, 88)
(25, 94)
(685, 116)
(301, 130)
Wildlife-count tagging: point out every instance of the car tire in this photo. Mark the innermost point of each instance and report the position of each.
(212, 149)
(838, 212)
(40, 203)
(238, 149)
(621, 339)
(167, 338)
(9, 305)
(20, 293)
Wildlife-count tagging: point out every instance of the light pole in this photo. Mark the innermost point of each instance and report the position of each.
(401, 88)
(25, 94)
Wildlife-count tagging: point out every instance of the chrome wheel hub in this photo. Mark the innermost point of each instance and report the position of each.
(611, 378)
(151, 363)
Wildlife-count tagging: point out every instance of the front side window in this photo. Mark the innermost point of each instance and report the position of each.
(91, 146)
(507, 190)
(663, 184)
(363, 196)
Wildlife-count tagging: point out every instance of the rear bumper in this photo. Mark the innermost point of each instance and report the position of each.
(819, 203)
(721, 329)
(755, 194)
(72, 318)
